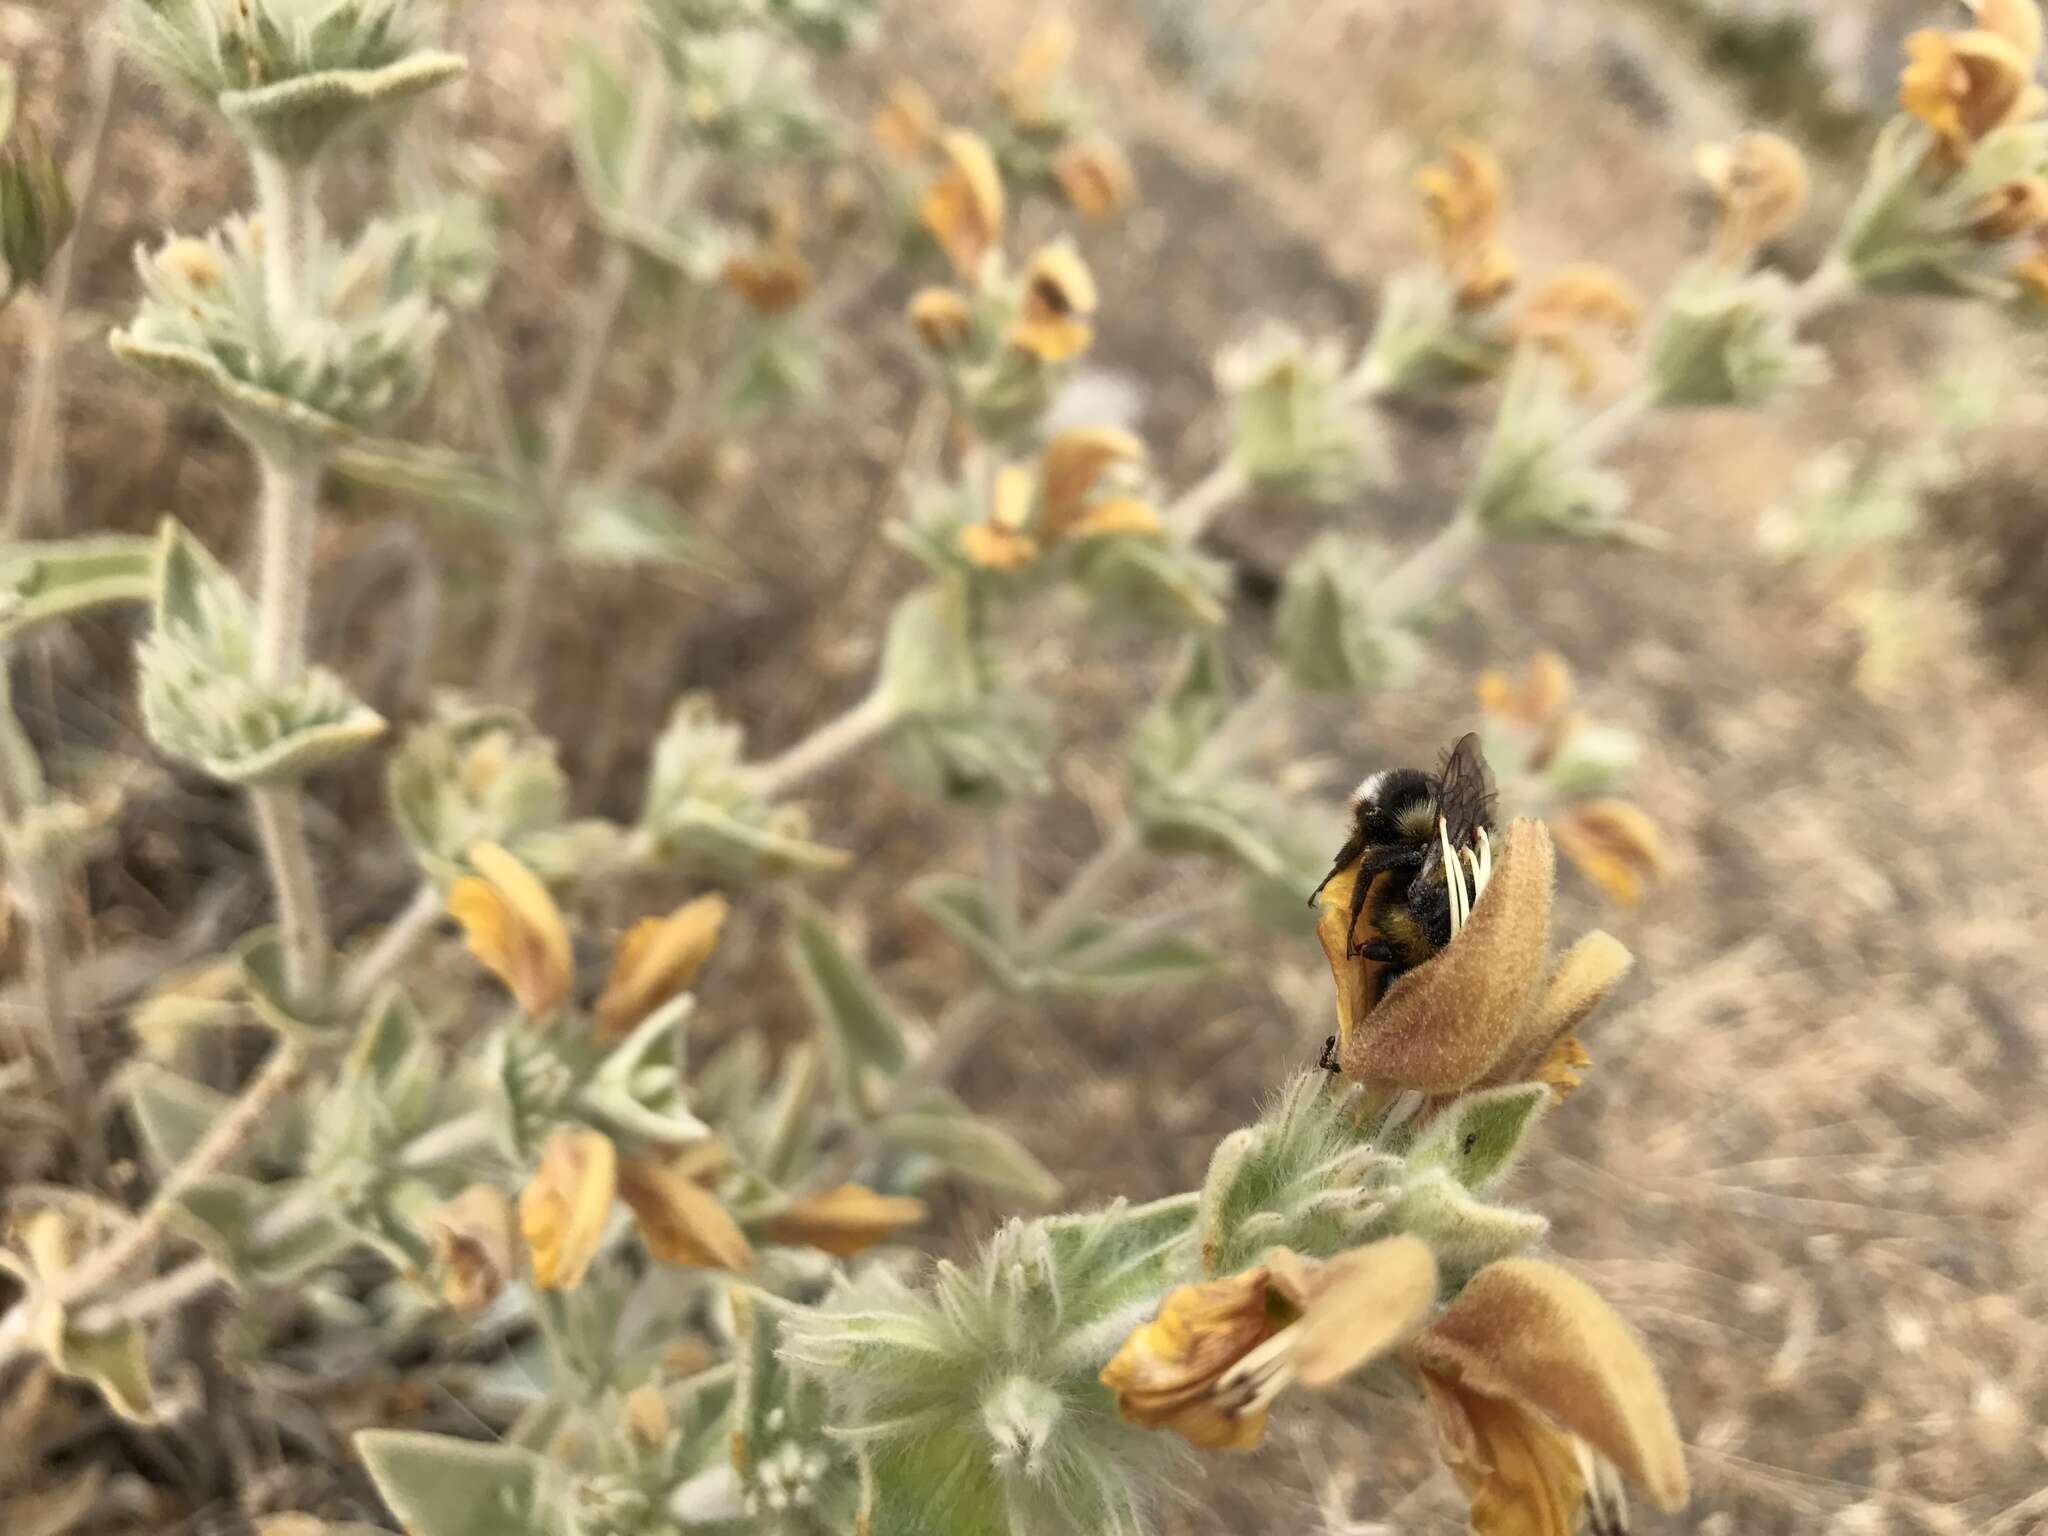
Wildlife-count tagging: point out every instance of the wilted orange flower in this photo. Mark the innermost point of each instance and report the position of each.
(563, 1208)
(1761, 184)
(906, 122)
(2012, 210)
(680, 1220)
(1095, 176)
(1615, 844)
(1211, 1363)
(844, 1221)
(1026, 86)
(1463, 195)
(1032, 513)
(941, 318)
(657, 958)
(514, 928)
(1489, 1007)
(1541, 1394)
(1059, 297)
(1568, 303)
(1966, 85)
(471, 1236)
(1539, 704)
(963, 207)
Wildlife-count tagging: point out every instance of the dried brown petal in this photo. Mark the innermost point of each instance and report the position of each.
(1580, 982)
(1614, 844)
(1355, 1307)
(471, 1236)
(1762, 185)
(1527, 1333)
(963, 207)
(941, 318)
(905, 123)
(1443, 1025)
(1072, 464)
(1542, 695)
(2007, 212)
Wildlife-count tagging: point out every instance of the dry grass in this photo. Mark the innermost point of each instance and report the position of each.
(1806, 1164)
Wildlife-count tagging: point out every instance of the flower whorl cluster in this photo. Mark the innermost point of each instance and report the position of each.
(1956, 200)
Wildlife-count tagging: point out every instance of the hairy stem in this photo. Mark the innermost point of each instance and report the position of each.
(288, 518)
(1195, 508)
(229, 1135)
(398, 943)
(838, 738)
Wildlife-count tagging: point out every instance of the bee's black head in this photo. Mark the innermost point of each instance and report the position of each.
(1396, 805)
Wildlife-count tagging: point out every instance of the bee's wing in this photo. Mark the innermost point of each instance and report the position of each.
(1468, 791)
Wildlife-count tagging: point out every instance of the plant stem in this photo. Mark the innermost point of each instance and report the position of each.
(395, 945)
(511, 642)
(874, 716)
(38, 418)
(1084, 892)
(41, 896)
(1194, 509)
(286, 195)
(229, 1135)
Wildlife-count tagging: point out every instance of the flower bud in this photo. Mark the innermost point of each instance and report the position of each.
(1295, 428)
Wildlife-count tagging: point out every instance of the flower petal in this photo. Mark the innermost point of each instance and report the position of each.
(845, 1221)
(2017, 21)
(563, 1208)
(514, 928)
(1525, 1332)
(680, 1220)
(471, 1236)
(1096, 178)
(1073, 461)
(940, 317)
(655, 959)
(1578, 983)
(1355, 1307)
(1126, 517)
(1444, 1024)
(1165, 1373)
(905, 122)
(963, 207)
(1522, 1473)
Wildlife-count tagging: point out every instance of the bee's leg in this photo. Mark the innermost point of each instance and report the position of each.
(1328, 1060)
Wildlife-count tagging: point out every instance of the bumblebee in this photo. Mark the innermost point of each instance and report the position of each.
(1422, 842)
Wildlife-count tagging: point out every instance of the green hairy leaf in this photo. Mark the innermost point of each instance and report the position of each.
(42, 580)
(441, 1486)
(856, 1022)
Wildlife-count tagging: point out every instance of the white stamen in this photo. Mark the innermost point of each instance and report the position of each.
(1252, 1384)
(1454, 876)
(1485, 874)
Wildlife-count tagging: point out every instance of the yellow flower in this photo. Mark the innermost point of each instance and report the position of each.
(471, 1237)
(1463, 195)
(1042, 59)
(770, 280)
(680, 1220)
(1541, 1393)
(1614, 844)
(1213, 1360)
(1966, 85)
(515, 929)
(1570, 301)
(562, 1210)
(844, 1221)
(1539, 706)
(1059, 296)
(655, 959)
(963, 207)
(1070, 468)
(1096, 178)
(1761, 184)
(1488, 1007)
(647, 1417)
(1027, 518)
(941, 318)
(905, 124)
